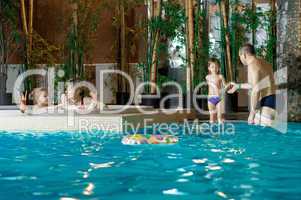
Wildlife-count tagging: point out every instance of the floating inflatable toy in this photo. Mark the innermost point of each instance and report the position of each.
(138, 139)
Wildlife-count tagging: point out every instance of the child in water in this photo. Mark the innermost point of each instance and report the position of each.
(77, 97)
(75, 101)
(216, 84)
(40, 101)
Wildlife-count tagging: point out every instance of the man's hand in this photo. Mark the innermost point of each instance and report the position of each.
(251, 119)
(233, 87)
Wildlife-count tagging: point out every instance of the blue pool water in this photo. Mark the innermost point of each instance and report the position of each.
(255, 163)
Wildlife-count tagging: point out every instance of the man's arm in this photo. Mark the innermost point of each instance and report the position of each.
(239, 86)
(254, 81)
(244, 86)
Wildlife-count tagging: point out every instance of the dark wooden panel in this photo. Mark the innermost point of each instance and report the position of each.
(52, 22)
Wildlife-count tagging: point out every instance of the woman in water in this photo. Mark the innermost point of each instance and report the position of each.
(216, 84)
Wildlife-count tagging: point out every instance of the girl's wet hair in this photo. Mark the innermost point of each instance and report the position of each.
(79, 93)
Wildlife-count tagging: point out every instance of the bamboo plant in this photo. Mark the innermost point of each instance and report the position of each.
(156, 14)
(165, 23)
(122, 47)
(27, 25)
(201, 41)
(83, 25)
(267, 22)
(37, 49)
(253, 18)
(9, 38)
(272, 35)
(189, 6)
(224, 13)
(237, 33)
(126, 34)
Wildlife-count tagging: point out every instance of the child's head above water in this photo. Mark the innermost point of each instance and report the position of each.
(40, 97)
(213, 66)
(76, 93)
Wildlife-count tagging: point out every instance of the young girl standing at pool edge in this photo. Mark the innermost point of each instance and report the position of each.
(216, 84)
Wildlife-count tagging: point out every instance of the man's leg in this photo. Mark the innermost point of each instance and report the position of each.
(265, 117)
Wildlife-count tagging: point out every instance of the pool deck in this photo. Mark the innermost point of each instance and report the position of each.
(14, 120)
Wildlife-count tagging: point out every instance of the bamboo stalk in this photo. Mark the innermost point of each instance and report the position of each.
(75, 16)
(23, 16)
(274, 30)
(198, 40)
(74, 27)
(30, 25)
(235, 46)
(205, 38)
(253, 30)
(154, 63)
(25, 30)
(227, 39)
(190, 39)
(123, 44)
(149, 40)
(273, 6)
(187, 43)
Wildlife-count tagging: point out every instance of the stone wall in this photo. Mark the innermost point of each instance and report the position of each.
(289, 52)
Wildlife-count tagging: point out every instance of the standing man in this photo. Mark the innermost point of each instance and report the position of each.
(261, 85)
